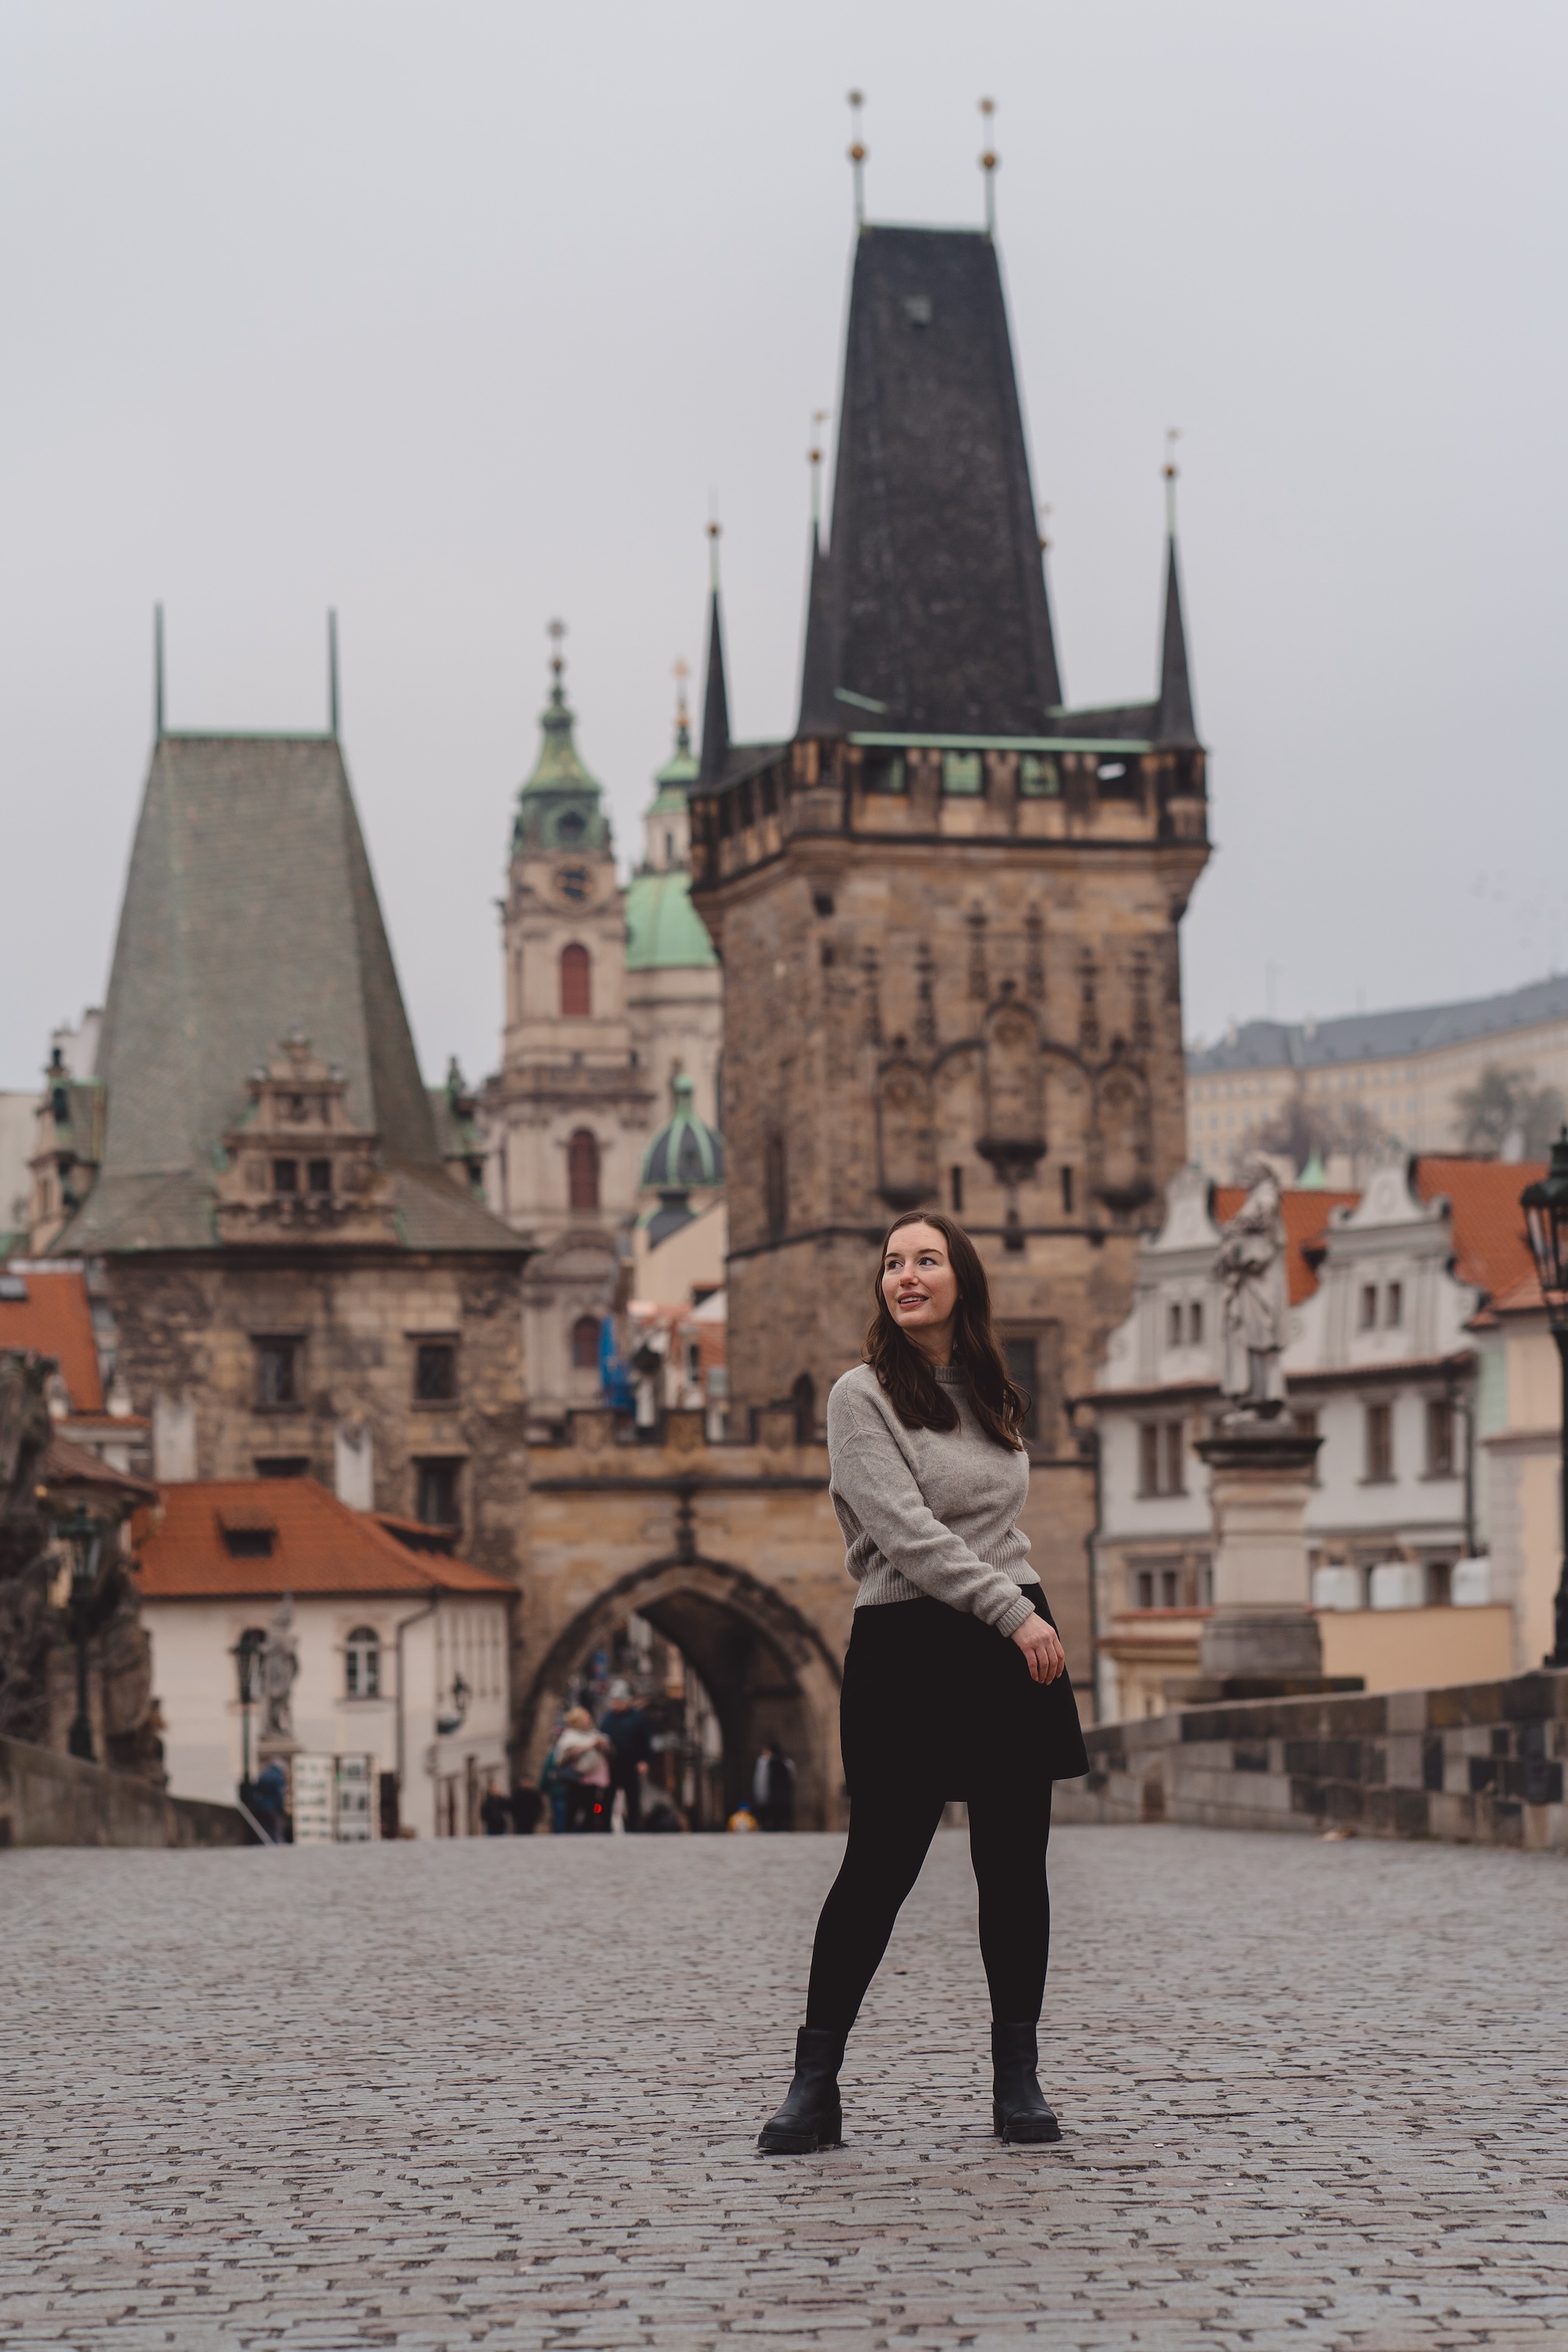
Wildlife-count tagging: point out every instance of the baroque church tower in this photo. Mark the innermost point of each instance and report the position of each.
(962, 897)
(570, 1109)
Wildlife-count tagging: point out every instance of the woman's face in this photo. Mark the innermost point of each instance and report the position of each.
(918, 1281)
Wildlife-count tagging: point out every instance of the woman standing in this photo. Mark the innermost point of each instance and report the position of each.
(583, 1757)
(955, 1684)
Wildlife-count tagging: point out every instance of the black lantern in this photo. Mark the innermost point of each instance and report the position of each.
(445, 1725)
(84, 1535)
(1545, 1207)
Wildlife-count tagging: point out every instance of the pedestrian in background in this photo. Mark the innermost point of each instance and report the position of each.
(270, 1800)
(583, 1759)
(772, 1790)
(527, 1805)
(625, 1727)
(494, 1814)
(955, 1684)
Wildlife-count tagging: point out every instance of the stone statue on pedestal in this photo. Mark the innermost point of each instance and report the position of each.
(279, 1670)
(1250, 1266)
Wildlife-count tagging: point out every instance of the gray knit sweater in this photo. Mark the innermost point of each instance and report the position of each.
(930, 1511)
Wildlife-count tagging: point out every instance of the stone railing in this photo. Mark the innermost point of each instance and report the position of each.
(46, 1799)
(1480, 1764)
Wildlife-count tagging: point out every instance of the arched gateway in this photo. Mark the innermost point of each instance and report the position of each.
(657, 1532)
(766, 1668)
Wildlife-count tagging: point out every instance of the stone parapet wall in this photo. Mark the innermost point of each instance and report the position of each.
(51, 1799)
(1477, 1764)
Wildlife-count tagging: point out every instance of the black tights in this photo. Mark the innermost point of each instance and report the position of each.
(889, 1832)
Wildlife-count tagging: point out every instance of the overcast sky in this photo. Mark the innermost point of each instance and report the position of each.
(457, 316)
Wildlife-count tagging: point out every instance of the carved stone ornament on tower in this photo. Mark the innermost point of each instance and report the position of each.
(299, 1167)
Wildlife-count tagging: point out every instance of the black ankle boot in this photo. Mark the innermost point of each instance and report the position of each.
(1019, 2110)
(811, 2116)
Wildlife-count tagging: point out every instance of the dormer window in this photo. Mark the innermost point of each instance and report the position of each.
(248, 1543)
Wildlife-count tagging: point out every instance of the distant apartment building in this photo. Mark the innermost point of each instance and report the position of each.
(1382, 1078)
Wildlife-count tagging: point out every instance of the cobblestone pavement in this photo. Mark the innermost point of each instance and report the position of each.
(504, 2095)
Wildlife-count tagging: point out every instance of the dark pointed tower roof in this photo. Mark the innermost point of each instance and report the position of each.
(932, 615)
(715, 702)
(249, 906)
(1175, 724)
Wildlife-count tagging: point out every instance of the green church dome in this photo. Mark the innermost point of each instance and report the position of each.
(685, 1152)
(664, 930)
(559, 806)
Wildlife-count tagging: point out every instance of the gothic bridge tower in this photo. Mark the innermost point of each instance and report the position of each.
(965, 894)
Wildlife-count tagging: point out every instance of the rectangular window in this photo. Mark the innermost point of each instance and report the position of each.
(1170, 1591)
(1173, 1326)
(319, 1175)
(285, 1175)
(283, 1465)
(1369, 1306)
(248, 1543)
(1149, 1457)
(1439, 1583)
(1394, 1306)
(883, 771)
(1022, 1360)
(1195, 1324)
(435, 1371)
(435, 1504)
(1439, 1438)
(1067, 1192)
(1379, 1444)
(1145, 1589)
(1175, 1460)
(276, 1372)
(963, 771)
(1040, 778)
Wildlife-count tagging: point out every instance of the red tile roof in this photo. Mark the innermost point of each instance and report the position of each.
(1306, 1215)
(1491, 1248)
(319, 1546)
(56, 1320)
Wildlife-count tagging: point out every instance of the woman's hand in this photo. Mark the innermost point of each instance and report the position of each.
(1040, 1644)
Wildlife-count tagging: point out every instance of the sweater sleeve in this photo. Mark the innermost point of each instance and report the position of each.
(876, 1481)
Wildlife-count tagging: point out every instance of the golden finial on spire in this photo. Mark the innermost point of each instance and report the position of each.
(555, 631)
(857, 156)
(713, 556)
(681, 673)
(1169, 470)
(988, 162)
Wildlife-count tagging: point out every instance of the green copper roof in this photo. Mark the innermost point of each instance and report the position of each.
(558, 807)
(664, 930)
(684, 1152)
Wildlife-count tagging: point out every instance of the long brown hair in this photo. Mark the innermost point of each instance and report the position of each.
(905, 1372)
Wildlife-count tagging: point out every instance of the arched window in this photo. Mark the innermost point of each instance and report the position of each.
(803, 1396)
(576, 988)
(582, 1169)
(585, 1344)
(361, 1663)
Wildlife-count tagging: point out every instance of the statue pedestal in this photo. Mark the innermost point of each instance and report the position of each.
(1262, 1641)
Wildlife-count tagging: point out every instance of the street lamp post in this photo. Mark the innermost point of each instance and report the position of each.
(246, 1657)
(1545, 1206)
(82, 1532)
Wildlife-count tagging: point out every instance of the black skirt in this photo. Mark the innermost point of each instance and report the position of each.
(937, 1701)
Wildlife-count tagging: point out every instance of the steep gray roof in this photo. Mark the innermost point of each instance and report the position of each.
(931, 605)
(249, 906)
(1368, 1037)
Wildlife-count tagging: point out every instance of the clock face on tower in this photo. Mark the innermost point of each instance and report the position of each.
(572, 883)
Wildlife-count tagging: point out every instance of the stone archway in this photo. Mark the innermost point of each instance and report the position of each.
(766, 1668)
